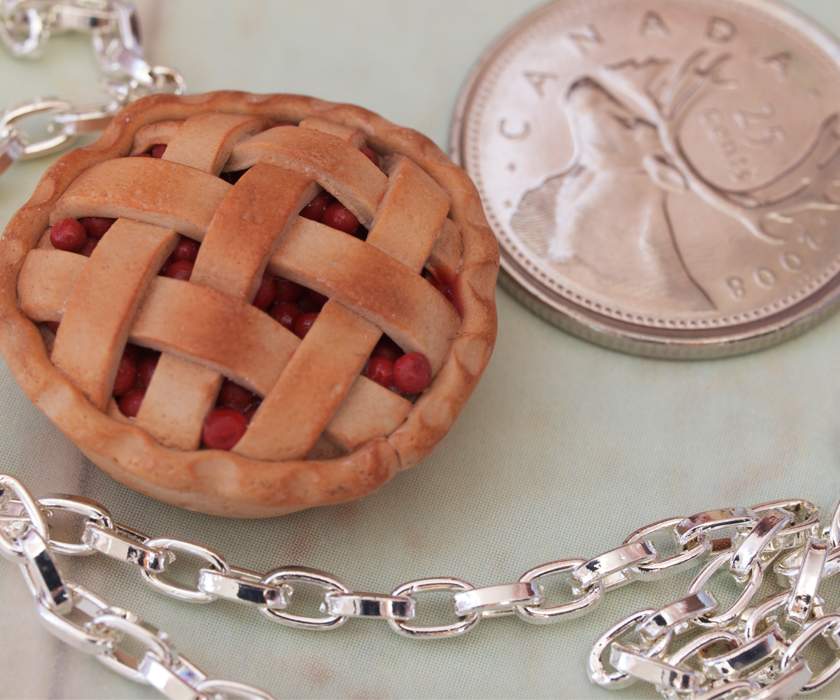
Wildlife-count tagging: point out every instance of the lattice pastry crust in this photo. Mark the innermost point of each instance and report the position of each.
(323, 433)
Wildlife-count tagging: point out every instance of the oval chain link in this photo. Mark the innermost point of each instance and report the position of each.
(754, 648)
(25, 28)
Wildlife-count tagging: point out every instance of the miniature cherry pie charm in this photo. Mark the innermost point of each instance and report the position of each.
(250, 305)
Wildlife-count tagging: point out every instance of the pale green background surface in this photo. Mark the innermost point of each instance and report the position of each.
(564, 449)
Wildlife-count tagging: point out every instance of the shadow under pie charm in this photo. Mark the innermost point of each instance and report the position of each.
(250, 305)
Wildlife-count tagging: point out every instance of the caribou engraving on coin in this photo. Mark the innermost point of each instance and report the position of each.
(670, 164)
(627, 150)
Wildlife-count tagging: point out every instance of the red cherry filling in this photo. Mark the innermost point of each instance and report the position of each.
(446, 286)
(179, 270)
(381, 370)
(286, 314)
(249, 414)
(158, 151)
(130, 403)
(308, 304)
(126, 375)
(234, 396)
(69, 235)
(304, 323)
(223, 428)
(316, 208)
(96, 226)
(412, 373)
(443, 288)
(186, 250)
(135, 352)
(89, 246)
(146, 367)
(340, 217)
(387, 348)
(52, 325)
(286, 290)
(266, 293)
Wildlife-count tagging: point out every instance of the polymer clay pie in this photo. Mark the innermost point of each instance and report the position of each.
(240, 271)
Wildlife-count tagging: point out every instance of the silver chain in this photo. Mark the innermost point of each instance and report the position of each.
(693, 648)
(25, 28)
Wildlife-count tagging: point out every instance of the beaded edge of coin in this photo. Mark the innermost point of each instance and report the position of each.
(676, 338)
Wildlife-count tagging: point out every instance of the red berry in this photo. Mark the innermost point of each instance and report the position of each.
(387, 348)
(234, 396)
(412, 373)
(52, 325)
(179, 270)
(286, 313)
(308, 304)
(187, 249)
(130, 403)
(89, 247)
(317, 297)
(374, 158)
(304, 323)
(380, 370)
(96, 226)
(69, 235)
(340, 217)
(223, 428)
(286, 290)
(146, 369)
(444, 288)
(126, 375)
(316, 208)
(158, 151)
(265, 294)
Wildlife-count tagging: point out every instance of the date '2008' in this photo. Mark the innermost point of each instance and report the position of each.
(765, 277)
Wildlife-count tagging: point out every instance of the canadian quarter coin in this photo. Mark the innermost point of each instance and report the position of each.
(663, 176)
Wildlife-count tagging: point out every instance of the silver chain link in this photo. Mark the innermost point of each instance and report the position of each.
(693, 648)
(25, 28)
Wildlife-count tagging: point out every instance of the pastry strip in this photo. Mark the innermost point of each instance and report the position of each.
(101, 307)
(46, 280)
(253, 351)
(218, 133)
(412, 312)
(145, 189)
(311, 387)
(368, 412)
(156, 134)
(445, 257)
(411, 215)
(339, 167)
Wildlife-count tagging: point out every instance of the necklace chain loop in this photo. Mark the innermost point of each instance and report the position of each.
(693, 648)
(25, 28)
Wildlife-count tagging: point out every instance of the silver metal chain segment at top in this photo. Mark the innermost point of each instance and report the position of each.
(696, 647)
(25, 28)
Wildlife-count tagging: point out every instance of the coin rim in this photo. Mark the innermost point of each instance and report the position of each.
(671, 342)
